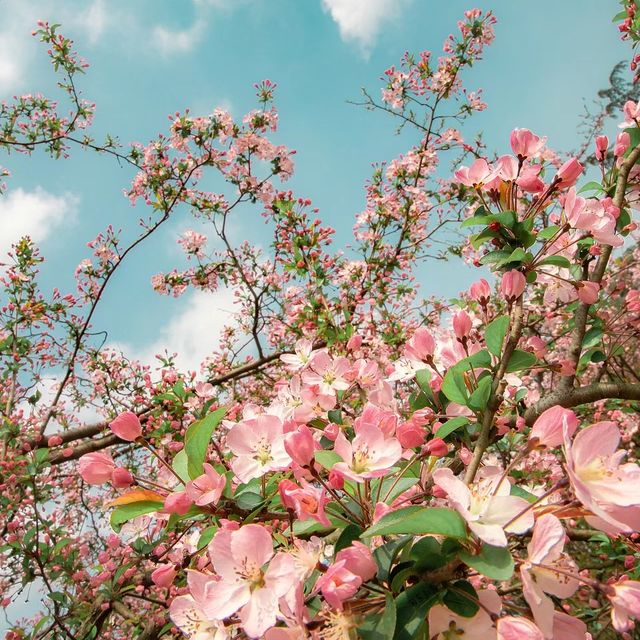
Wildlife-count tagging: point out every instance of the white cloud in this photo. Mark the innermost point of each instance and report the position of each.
(362, 20)
(193, 333)
(35, 213)
(169, 42)
(94, 20)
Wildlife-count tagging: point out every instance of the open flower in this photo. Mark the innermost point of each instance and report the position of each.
(604, 485)
(625, 601)
(207, 488)
(486, 505)
(258, 444)
(244, 585)
(368, 456)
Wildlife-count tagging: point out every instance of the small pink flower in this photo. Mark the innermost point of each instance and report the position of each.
(207, 488)
(164, 575)
(127, 426)
(548, 428)
(121, 478)
(368, 456)
(623, 140)
(338, 584)
(625, 600)
(512, 285)
(588, 291)
(358, 560)
(300, 358)
(421, 346)
(329, 374)
(96, 467)
(568, 173)
(526, 144)
(437, 447)
(307, 501)
(477, 175)
(486, 505)
(258, 446)
(410, 434)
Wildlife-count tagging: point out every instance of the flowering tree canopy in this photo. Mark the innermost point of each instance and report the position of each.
(353, 461)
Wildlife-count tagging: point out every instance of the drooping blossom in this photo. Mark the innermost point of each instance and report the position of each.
(548, 427)
(545, 552)
(96, 467)
(207, 488)
(625, 603)
(605, 485)
(486, 504)
(512, 285)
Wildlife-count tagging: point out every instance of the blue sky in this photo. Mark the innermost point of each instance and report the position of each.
(150, 58)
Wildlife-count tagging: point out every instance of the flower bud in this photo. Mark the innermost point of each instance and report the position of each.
(300, 445)
(512, 285)
(127, 426)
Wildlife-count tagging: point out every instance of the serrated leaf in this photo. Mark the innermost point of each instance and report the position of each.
(197, 439)
(495, 563)
(480, 397)
(127, 512)
(450, 426)
(419, 520)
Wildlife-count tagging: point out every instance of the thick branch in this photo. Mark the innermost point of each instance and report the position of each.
(584, 395)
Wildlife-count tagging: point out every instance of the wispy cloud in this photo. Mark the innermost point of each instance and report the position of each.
(36, 213)
(362, 20)
(170, 42)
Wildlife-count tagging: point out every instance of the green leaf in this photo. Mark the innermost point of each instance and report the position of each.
(327, 459)
(427, 555)
(591, 186)
(350, 533)
(180, 465)
(522, 493)
(412, 609)
(494, 257)
(450, 426)
(495, 563)
(548, 232)
(380, 627)
(422, 378)
(556, 261)
(521, 360)
(125, 512)
(480, 397)
(495, 333)
(197, 439)
(385, 555)
(248, 500)
(461, 598)
(453, 385)
(419, 520)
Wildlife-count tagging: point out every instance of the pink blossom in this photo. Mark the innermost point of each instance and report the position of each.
(368, 456)
(178, 502)
(96, 467)
(410, 434)
(300, 358)
(602, 144)
(207, 488)
(479, 174)
(512, 628)
(481, 292)
(338, 584)
(631, 111)
(526, 144)
(568, 173)
(330, 375)
(566, 627)
(121, 478)
(606, 486)
(358, 560)
(462, 325)
(258, 446)
(307, 501)
(164, 575)
(588, 291)
(486, 505)
(545, 552)
(127, 426)
(512, 285)
(625, 600)
(421, 346)
(436, 447)
(548, 428)
(238, 558)
(300, 445)
(623, 140)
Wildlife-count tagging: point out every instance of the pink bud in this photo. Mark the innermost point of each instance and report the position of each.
(568, 173)
(96, 467)
(121, 478)
(355, 341)
(480, 291)
(177, 502)
(358, 560)
(410, 434)
(54, 441)
(164, 575)
(331, 431)
(336, 480)
(602, 144)
(127, 426)
(437, 448)
(461, 325)
(300, 445)
(512, 285)
(623, 140)
(588, 291)
(526, 144)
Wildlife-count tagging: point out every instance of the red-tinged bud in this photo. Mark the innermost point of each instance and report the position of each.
(54, 441)
(300, 445)
(602, 144)
(127, 426)
(121, 478)
(437, 448)
(512, 285)
(178, 502)
(568, 173)
(336, 480)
